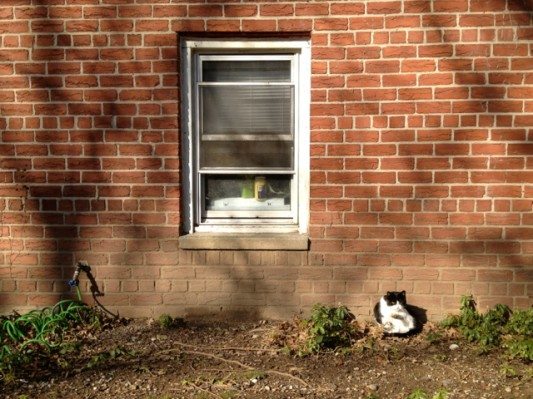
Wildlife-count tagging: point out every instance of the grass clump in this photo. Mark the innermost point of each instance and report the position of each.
(498, 326)
(40, 334)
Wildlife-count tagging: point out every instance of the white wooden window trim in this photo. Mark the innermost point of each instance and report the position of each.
(191, 193)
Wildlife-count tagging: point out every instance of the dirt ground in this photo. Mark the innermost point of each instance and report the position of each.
(140, 359)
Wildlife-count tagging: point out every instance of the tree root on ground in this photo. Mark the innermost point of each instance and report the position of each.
(235, 362)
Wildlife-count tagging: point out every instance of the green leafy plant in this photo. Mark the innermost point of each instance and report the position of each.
(520, 323)
(498, 324)
(485, 330)
(167, 322)
(329, 327)
(520, 348)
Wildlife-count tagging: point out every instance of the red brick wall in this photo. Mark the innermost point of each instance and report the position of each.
(421, 155)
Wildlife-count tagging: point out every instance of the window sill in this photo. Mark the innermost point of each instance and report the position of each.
(254, 241)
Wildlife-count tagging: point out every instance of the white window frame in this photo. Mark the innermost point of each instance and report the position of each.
(298, 51)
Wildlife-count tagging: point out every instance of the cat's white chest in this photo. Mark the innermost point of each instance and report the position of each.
(396, 319)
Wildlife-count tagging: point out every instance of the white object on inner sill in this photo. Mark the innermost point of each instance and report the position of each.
(238, 203)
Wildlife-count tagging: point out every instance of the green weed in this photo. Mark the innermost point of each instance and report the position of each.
(167, 322)
(434, 337)
(499, 325)
(508, 371)
(254, 374)
(485, 330)
(421, 394)
(520, 323)
(104, 357)
(329, 327)
(418, 394)
(441, 394)
(519, 348)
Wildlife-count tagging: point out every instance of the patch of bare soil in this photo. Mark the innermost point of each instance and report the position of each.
(140, 359)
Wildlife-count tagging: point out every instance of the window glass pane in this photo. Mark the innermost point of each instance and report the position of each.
(246, 154)
(246, 71)
(247, 192)
(255, 110)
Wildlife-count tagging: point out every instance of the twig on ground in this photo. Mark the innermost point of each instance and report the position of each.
(451, 369)
(259, 329)
(229, 348)
(237, 363)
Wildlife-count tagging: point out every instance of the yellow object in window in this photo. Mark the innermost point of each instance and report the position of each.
(260, 189)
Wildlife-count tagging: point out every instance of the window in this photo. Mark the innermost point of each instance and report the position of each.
(245, 110)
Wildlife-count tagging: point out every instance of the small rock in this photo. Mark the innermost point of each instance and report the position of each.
(454, 347)
(508, 389)
(372, 387)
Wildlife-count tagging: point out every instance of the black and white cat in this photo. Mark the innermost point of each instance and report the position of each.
(391, 312)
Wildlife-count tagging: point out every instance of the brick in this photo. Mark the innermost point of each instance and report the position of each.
(396, 22)
(386, 7)
(258, 25)
(248, 10)
(420, 273)
(311, 9)
(276, 10)
(335, 24)
(494, 275)
(377, 232)
(459, 274)
(345, 9)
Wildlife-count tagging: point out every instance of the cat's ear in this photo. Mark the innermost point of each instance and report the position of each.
(388, 293)
(402, 293)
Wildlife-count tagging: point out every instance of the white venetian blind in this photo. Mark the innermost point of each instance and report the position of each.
(245, 102)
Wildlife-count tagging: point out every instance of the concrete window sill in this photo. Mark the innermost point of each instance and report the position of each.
(257, 241)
